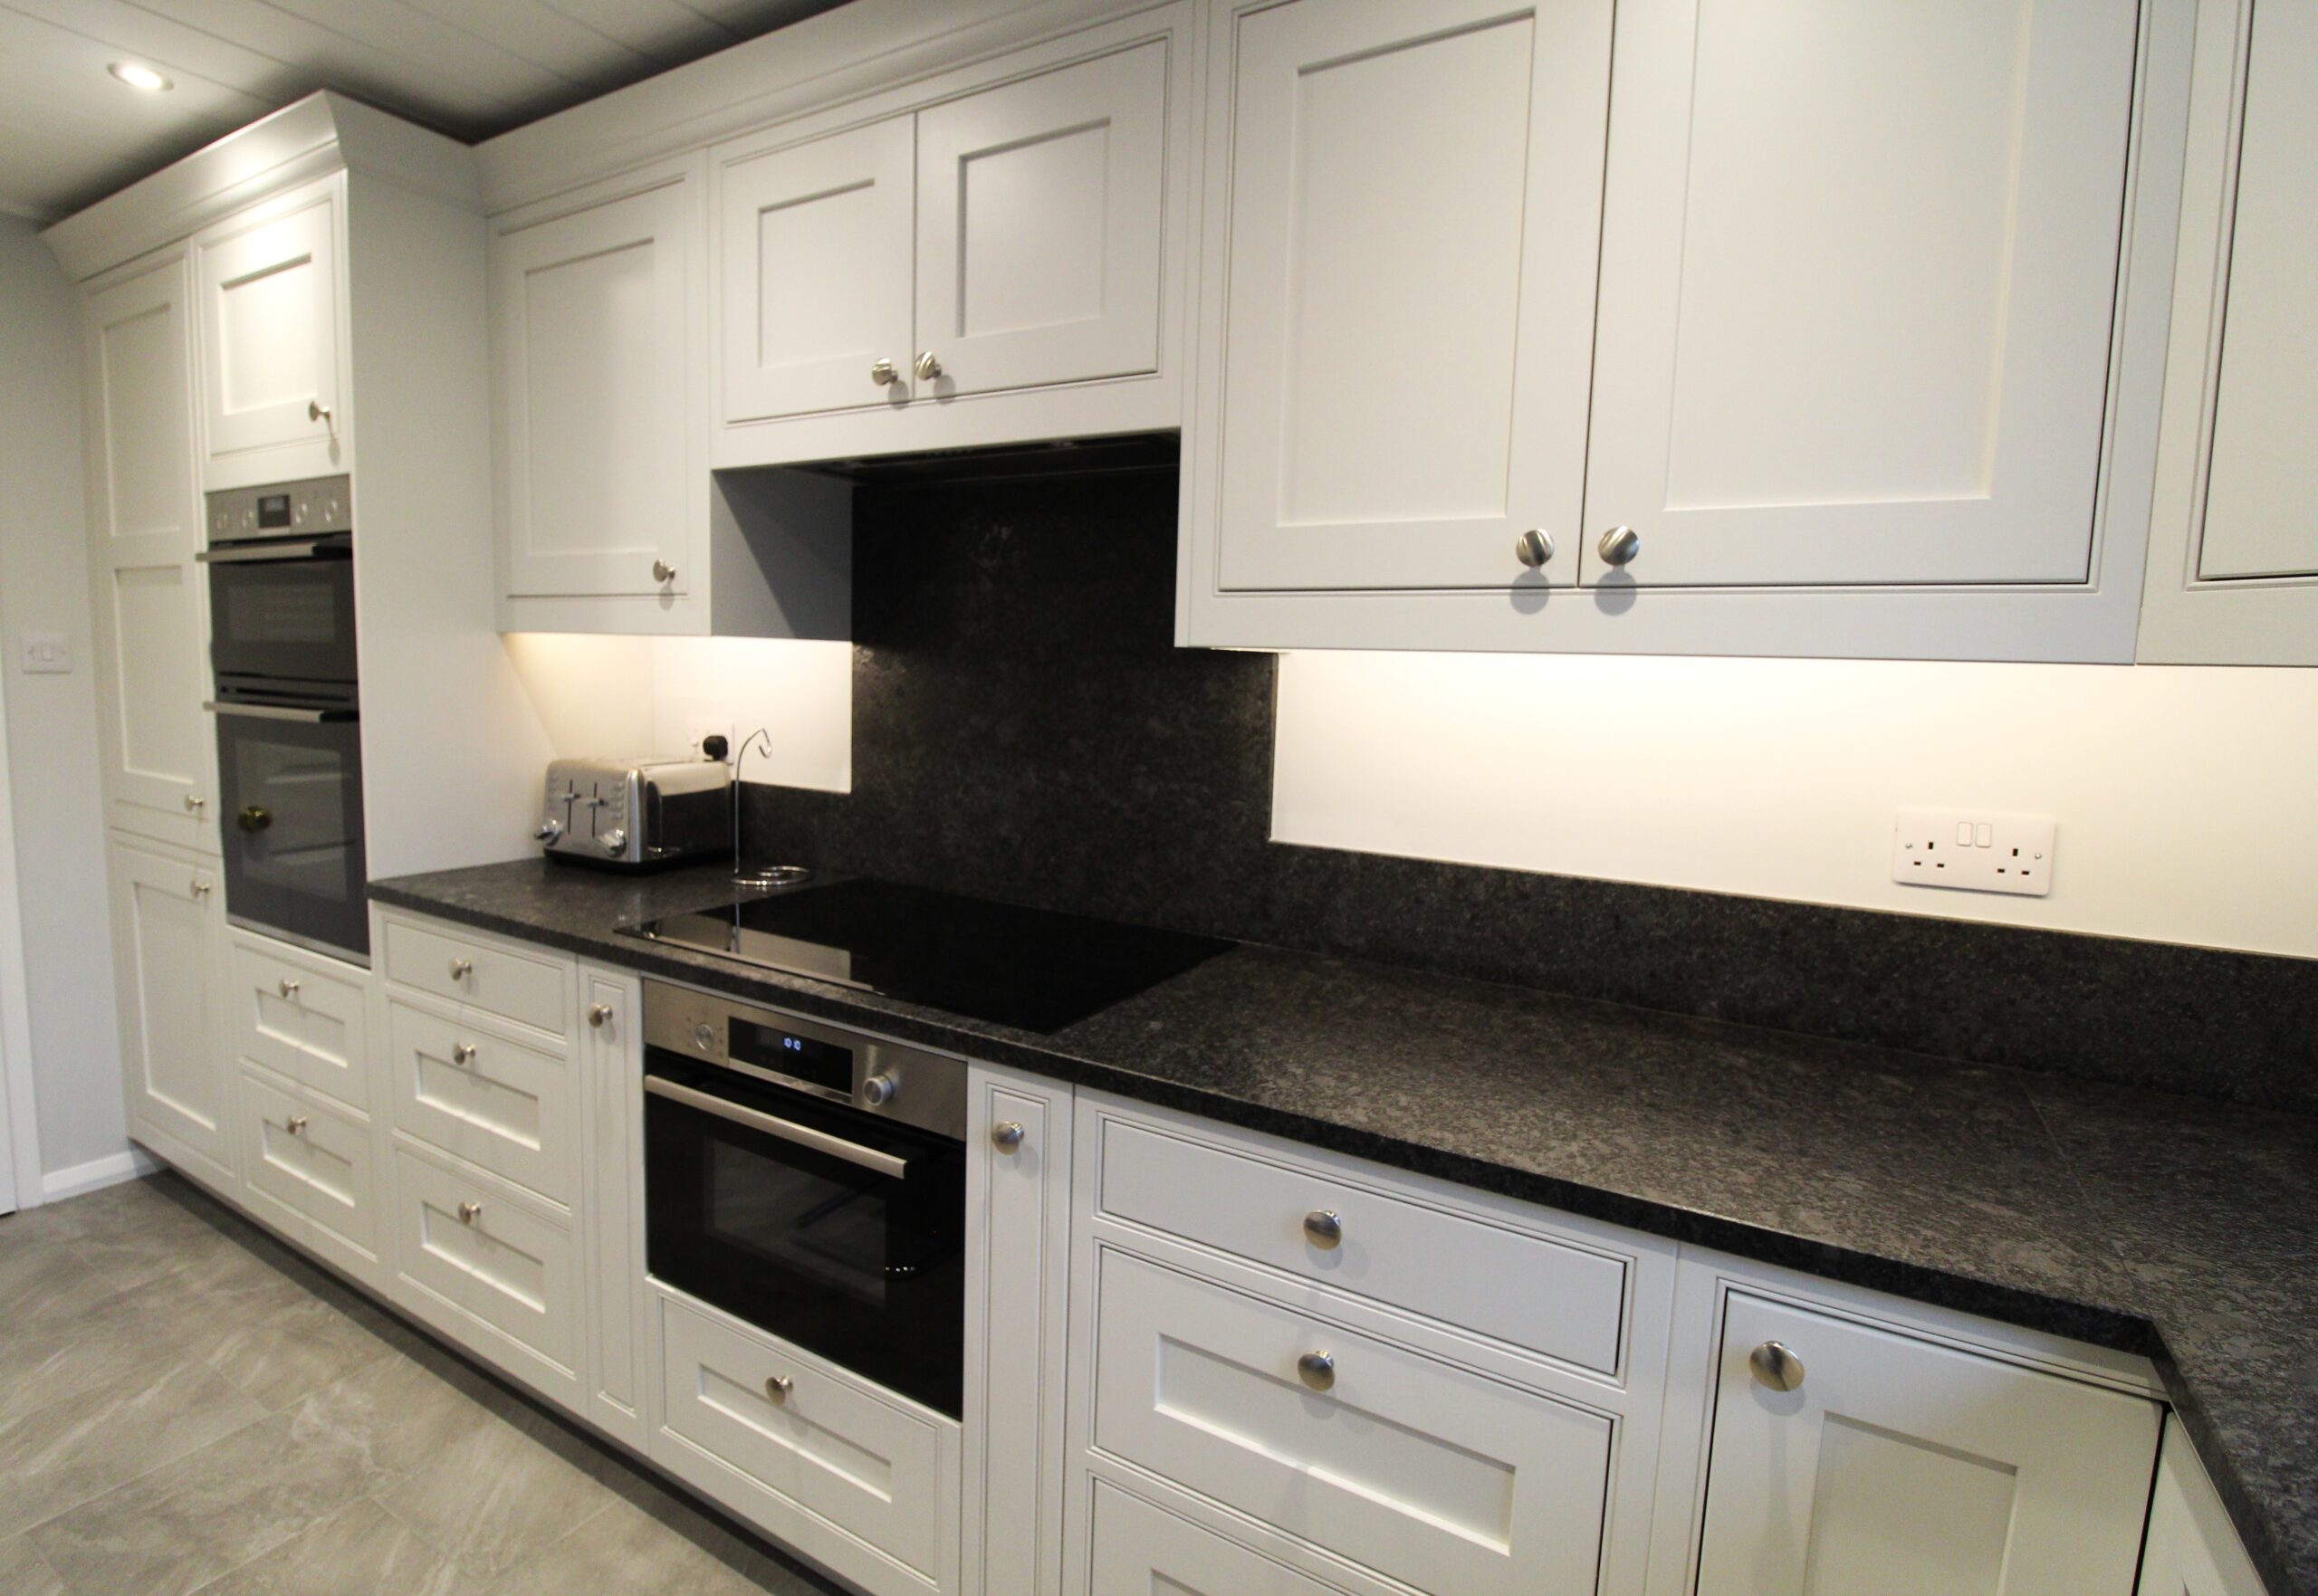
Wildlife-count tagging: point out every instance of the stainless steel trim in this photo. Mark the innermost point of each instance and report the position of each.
(852, 1153)
(252, 553)
(279, 712)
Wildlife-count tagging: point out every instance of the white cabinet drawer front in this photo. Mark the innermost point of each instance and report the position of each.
(1911, 1468)
(1039, 226)
(533, 990)
(1561, 1301)
(301, 1023)
(307, 1159)
(863, 1460)
(1454, 1483)
(494, 1102)
(1140, 1549)
(472, 1246)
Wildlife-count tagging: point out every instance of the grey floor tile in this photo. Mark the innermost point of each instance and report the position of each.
(83, 1445)
(400, 1413)
(23, 1571)
(170, 1531)
(625, 1550)
(494, 1499)
(282, 1358)
(358, 1551)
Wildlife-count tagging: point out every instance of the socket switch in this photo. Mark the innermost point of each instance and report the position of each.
(1974, 850)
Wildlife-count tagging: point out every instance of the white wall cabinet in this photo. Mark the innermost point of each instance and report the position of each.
(1858, 375)
(273, 326)
(1913, 1468)
(2191, 1550)
(2233, 570)
(168, 923)
(150, 600)
(1008, 233)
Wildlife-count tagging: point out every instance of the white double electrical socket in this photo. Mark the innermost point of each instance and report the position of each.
(697, 732)
(1974, 850)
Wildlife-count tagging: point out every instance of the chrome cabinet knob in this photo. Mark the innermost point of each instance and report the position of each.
(1620, 544)
(926, 367)
(662, 571)
(469, 1212)
(1324, 1227)
(201, 885)
(463, 1053)
(613, 840)
(884, 373)
(550, 830)
(878, 1091)
(295, 1125)
(460, 969)
(600, 1014)
(194, 805)
(1776, 1366)
(1316, 1369)
(1534, 547)
(317, 411)
(1006, 1135)
(289, 988)
(778, 1387)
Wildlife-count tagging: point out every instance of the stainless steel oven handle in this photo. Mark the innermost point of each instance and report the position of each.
(279, 712)
(254, 553)
(853, 1152)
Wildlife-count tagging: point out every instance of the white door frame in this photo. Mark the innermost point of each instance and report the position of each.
(20, 1183)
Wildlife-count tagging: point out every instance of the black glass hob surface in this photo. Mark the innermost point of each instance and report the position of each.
(1031, 969)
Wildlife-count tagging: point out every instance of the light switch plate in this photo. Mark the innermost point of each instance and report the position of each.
(47, 654)
(1974, 850)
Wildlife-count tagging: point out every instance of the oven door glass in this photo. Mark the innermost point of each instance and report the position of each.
(862, 1265)
(291, 792)
(286, 615)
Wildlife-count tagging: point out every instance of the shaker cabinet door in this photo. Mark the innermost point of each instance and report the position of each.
(591, 333)
(151, 624)
(1858, 276)
(1039, 226)
(1413, 200)
(815, 276)
(1910, 1468)
(269, 342)
(168, 915)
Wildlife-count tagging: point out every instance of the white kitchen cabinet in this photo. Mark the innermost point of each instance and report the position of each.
(2191, 1549)
(611, 1076)
(302, 1015)
(1858, 278)
(1137, 1548)
(1018, 1280)
(593, 342)
(1847, 1456)
(990, 256)
(150, 600)
(168, 922)
(1409, 240)
(499, 1105)
(815, 274)
(2233, 570)
(310, 1173)
(273, 326)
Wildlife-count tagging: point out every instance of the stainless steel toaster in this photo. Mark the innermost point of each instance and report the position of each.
(637, 814)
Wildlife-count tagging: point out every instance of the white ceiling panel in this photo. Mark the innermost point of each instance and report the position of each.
(70, 133)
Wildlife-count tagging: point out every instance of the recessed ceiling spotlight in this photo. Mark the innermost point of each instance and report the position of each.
(138, 76)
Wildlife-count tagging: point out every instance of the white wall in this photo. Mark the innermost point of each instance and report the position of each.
(52, 719)
(620, 696)
(2186, 797)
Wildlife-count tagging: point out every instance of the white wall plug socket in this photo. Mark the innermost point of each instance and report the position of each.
(699, 730)
(1974, 850)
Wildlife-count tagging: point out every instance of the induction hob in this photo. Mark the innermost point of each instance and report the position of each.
(1033, 969)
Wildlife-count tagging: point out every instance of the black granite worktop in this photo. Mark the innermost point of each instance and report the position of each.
(2180, 1228)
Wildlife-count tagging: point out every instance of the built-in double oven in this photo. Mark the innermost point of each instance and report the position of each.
(288, 709)
(811, 1180)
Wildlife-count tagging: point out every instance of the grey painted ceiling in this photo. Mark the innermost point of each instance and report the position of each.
(70, 133)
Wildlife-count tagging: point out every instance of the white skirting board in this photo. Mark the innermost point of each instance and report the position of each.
(128, 1164)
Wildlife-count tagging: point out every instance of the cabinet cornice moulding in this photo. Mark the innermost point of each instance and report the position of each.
(311, 138)
(823, 61)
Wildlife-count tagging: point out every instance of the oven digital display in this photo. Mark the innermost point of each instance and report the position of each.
(274, 510)
(803, 1058)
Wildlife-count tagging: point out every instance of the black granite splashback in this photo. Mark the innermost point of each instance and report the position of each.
(1025, 730)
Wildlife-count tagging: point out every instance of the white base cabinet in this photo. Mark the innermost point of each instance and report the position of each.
(169, 925)
(2191, 1549)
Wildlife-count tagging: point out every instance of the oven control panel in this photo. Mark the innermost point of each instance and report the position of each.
(309, 509)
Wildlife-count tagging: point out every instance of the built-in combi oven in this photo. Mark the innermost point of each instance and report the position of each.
(811, 1180)
(287, 708)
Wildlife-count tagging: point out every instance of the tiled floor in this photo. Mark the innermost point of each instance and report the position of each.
(187, 1405)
